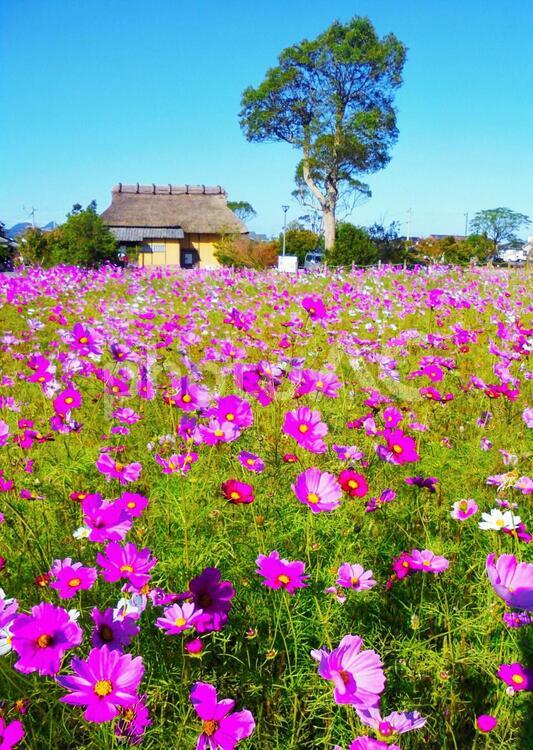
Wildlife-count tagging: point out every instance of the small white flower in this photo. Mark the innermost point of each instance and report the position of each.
(74, 614)
(496, 520)
(82, 533)
(133, 607)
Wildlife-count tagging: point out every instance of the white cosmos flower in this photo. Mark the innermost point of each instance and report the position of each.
(133, 607)
(74, 614)
(5, 640)
(496, 520)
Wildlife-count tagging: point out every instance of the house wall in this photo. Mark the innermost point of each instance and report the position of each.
(205, 245)
(169, 257)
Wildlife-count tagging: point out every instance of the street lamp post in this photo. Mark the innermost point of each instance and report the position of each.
(285, 209)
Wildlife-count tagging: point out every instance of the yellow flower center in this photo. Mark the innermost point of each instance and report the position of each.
(230, 417)
(312, 498)
(126, 569)
(463, 505)
(115, 389)
(180, 622)
(209, 727)
(83, 340)
(352, 484)
(250, 461)
(130, 505)
(426, 563)
(284, 579)
(319, 384)
(500, 522)
(103, 688)
(74, 582)
(219, 433)
(119, 466)
(517, 679)
(303, 428)
(187, 398)
(354, 581)
(235, 495)
(44, 640)
(69, 400)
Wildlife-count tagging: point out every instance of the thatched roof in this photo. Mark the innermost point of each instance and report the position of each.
(197, 209)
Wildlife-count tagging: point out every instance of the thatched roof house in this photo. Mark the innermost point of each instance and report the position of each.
(172, 224)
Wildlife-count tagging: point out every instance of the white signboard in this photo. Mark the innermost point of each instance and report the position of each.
(288, 263)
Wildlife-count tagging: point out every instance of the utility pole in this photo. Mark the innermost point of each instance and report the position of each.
(466, 224)
(285, 209)
(410, 214)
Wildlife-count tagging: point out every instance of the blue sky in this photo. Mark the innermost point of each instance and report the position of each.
(112, 90)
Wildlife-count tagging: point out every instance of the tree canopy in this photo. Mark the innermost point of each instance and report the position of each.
(83, 240)
(242, 209)
(332, 98)
(499, 225)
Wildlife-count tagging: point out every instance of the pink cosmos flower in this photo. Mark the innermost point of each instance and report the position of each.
(397, 722)
(314, 305)
(320, 491)
(221, 729)
(133, 721)
(355, 577)
(280, 573)
(10, 734)
(357, 675)
(176, 619)
(71, 577)
(232, 409)
(8, 609)
(354, 484)
(108, 521)
(133, 503)
(68, 399)
(463, 509)
(4, 433)
(237, 492)
(427, 561)
(115, 470)
(486, 723)
(126, 562)
(187, 395)
(42, 637)
(512, 581)
(368, 743)
(516, 676)
(213, 596)
(306, 427)
(251, 461)
(402, 449)
(392, 417)
(527, 416)
(218, 432)
(103, 682)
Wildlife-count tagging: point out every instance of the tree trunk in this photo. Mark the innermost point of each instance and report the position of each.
(329, 227)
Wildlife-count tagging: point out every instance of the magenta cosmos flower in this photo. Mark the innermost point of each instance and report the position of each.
(221, 729)
(357, 675)
(516, 676)
(238, 493)
(320, 491)
(355, 577)
(115, 470)
(314, 305)
(71, 577)
(281, 574)
(103, 682)
(251, 462)
(176, 619)
(368, 743)
(427, 561)
(486, 723)
(213, 597)
(126, 562)
(512, 581)
(10, 734)
(306, 427)
(401, 448)
(352, 483)
(42, 637)
(108, 521)
(463, 509)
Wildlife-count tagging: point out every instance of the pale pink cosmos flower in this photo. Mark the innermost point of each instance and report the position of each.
(463, 509)
(427, 561)
(320, 491)
(355, 577)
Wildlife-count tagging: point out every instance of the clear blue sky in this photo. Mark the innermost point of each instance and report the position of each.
(97, 92)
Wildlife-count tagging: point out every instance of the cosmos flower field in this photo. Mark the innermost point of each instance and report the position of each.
(252, 510)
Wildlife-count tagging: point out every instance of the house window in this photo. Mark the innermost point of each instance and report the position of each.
(157, 247)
